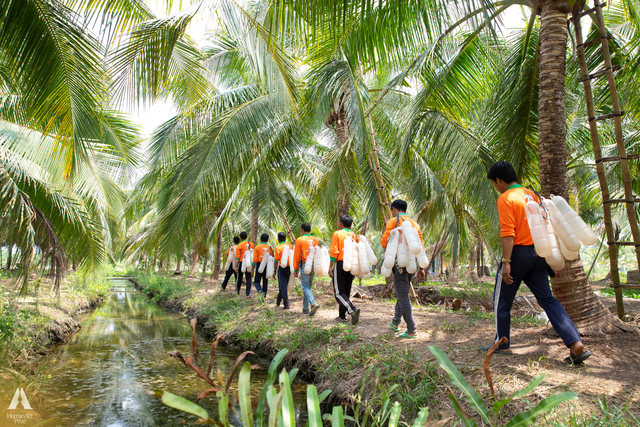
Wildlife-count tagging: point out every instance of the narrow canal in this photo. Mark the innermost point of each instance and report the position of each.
(103, 376)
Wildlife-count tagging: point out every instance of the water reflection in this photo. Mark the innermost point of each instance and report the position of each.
(103, 376)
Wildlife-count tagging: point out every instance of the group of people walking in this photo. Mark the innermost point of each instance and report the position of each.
(341, 280)
(519, 264)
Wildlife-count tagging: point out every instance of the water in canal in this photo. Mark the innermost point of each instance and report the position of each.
(103, 376)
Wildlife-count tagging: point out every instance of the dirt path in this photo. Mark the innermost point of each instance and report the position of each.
(613, 370)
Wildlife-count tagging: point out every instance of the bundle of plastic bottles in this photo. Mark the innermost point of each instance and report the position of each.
(557, 231)
(358, 257)
(405, 249)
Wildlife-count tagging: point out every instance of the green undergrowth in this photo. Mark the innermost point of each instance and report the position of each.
(627, 293)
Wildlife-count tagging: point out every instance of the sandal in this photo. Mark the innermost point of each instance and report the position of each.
(394, 327)
(572, 359)
(355, 317)
(314, 309)
(341, 320)
(406, 335)
(497, 350)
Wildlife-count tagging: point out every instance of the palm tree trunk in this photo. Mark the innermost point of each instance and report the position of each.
(255, 210)
(9, 257)
(216, 261)
(195, 257)
(343, 196)
(179, 265)
(570, 286)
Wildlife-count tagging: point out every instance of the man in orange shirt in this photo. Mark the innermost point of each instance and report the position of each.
(341, 279)
(520, 263)
(231, 271)
(243, 247)
(402, 279)
(261, 251)
(300, 254)
(283, 273)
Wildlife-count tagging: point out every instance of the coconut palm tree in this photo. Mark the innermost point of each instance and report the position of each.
(64, 151)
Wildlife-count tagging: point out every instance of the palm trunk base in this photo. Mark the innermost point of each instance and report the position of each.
(591, 317)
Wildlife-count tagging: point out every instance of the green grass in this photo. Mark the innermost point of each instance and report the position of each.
(605, 416)
(627, 293)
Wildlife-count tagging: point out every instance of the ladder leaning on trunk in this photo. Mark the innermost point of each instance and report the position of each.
(623, 158)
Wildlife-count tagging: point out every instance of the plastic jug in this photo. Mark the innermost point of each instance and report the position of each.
(538, 229)
(579, 227)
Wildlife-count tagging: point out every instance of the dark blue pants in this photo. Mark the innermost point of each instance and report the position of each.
(261, 277)
(230, 272)
(531, 269)
(247, 277)
(283, 283)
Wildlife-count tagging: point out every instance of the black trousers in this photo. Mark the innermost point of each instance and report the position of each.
(230, 272)
(283, 282)
(247, 277)
(342, 281)
(261, 277)
(528, 267)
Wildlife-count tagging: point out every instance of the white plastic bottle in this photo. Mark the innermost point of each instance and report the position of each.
(570, 255)
(249, 261)
(265, 260)
(284, 259)
(562, 229)
(363, 260)
(230, 258)
(411, 237)
(308, 265)
(326, 262)
(538, 229)
(555, 260)
(373, 259)
(270, 266)
(291, 252)
(412, 266)
(423, 259)
(318, 261)
(355, 263)
(390, 253)
(385, 272)
(403, 251)
(346, 254)
(579, 227)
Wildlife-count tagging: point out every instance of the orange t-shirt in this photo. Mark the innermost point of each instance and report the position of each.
(260, 251)
(301, 251)
(513, 220)
(242, 248)
(336, 252)
(397, 222)
(280, 249)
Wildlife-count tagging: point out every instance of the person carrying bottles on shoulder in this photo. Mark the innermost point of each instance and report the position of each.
(241, 249)
(520, 263)
(300, 254)
(283, 272)
(261, 251)
(231, 271)
(341, 279)
(401, 278)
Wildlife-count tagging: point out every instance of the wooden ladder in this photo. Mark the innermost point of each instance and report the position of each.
(622, 157)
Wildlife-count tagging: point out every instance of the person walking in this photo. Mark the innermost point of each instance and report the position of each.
(401, 278)
(231, 271)
(520, 263)
(261, 251)
(283, 273)
(341, 279)
(243, 247)
(300, 254)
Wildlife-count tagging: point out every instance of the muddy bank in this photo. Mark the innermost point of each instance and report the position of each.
(37, 323)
